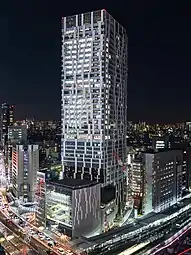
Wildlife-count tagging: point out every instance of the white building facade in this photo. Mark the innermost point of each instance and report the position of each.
(94, 99)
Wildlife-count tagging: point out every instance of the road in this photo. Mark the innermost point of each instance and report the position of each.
(157, 231)
(166, 245)
(9, 248)
(180, 244)
(26, 231)
(12, 243)
(37, 239)
(116, 242)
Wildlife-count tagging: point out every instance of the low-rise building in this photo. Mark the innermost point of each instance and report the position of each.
(74, 205)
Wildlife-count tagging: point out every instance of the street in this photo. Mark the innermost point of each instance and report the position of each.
(28, 233)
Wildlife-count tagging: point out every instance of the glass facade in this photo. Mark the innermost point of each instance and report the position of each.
(94, 98)
(59, 205)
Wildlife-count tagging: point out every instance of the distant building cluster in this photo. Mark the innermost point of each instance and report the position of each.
(6, 121)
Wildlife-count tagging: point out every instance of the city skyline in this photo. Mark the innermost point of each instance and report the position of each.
(95, 184)
(158, 59)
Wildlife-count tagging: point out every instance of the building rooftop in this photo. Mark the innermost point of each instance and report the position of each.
(153, 151)
(73, 183)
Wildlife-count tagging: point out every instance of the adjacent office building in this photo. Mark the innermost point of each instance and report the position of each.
(163, 178)
(25, 164)
(7, 112)
(157, 180)
(94, 99)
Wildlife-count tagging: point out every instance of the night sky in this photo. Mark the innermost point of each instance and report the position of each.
(159, 85)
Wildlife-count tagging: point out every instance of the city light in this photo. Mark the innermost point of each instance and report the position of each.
(93, 182)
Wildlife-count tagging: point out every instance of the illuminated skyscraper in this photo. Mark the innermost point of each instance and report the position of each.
(7, 112)
(94, 99)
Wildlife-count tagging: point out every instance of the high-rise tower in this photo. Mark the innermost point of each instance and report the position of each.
(94, 99)
(7, 112)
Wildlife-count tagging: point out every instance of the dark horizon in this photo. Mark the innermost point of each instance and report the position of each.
(159, 57)
(129, 120)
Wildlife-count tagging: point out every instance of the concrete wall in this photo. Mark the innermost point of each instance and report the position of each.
(86, 210)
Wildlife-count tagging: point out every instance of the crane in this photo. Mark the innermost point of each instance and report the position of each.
(39, 186)
(119, 161)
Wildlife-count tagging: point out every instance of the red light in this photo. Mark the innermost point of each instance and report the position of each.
(24, 251)
(175, 239)
(41, 182)
(183, 252)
